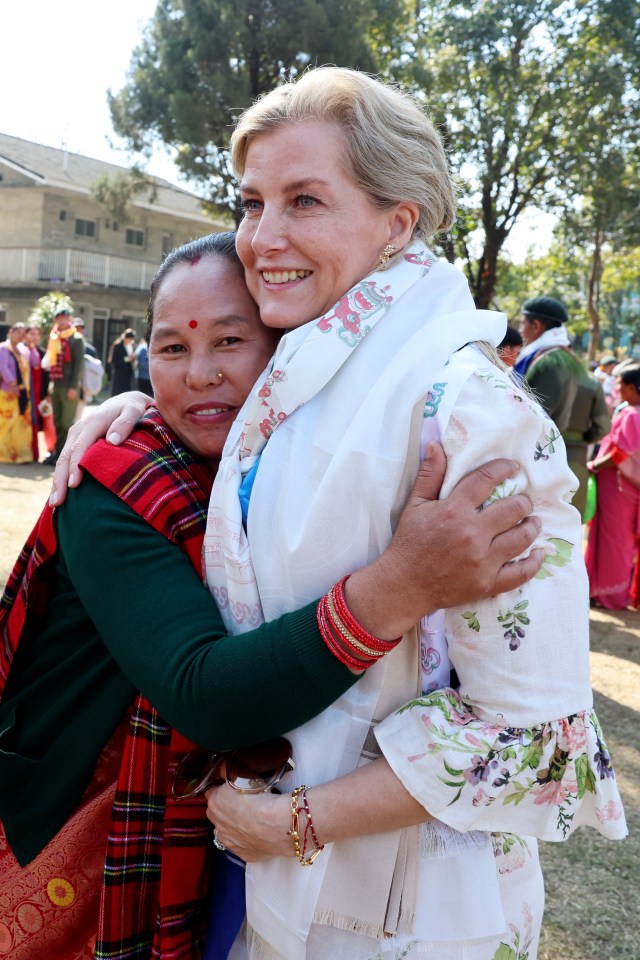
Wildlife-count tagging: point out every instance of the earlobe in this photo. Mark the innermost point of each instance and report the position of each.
(403, 223)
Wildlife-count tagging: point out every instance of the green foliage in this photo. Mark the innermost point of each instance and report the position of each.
(523, 92)
(115, 194)
(537, 101)
(45, 308)
(201, 62)
(620, 295)
(563, 272)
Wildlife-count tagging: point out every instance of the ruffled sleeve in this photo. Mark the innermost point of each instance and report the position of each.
(517, 748)
(542, 781)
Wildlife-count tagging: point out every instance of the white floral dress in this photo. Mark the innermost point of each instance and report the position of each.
(517, 749)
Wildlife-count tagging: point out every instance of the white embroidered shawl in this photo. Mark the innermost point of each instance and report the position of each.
(342, 409)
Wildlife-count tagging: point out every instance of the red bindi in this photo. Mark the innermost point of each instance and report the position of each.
(193, 324)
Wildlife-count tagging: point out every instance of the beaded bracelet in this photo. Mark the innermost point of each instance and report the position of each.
(344, 636)
(300, 841)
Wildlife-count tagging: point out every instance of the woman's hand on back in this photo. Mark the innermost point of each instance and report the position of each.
(113, 419)
(447, 552)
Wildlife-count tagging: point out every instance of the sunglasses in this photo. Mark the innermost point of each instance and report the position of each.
(254, 769)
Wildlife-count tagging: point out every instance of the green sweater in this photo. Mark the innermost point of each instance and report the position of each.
(126, 613)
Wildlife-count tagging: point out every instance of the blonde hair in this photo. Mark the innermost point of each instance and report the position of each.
(392, 150)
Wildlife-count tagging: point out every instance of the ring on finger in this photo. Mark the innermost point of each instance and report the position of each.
(216, 842)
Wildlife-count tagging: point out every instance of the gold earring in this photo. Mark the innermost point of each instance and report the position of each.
(386, 255)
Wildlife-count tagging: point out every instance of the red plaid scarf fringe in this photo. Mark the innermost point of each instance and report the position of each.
(63, 356)
(154, 900)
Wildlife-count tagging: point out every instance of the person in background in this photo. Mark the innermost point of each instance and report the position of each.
(38, 382)
(40, 389)
(589, 421)
(605, 373)
(81, 701)
(16, 434)
(614, 533)
(93, 372)
(121, 360)
(64, 359)
(510, 346)
(89, 348)
(142, 368)
(546, 361)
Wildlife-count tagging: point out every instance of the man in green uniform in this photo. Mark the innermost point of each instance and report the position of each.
(65, 359)
(571, 396)
(546, 361)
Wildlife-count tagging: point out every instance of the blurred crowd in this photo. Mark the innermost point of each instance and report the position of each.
(595, 408)
(592, 405)
(43, 390)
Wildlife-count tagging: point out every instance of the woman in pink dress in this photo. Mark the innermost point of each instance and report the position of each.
(615, 529)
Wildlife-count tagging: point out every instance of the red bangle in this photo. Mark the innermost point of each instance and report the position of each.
(618, 456)
(338, 647)
(352, 625)
(344, 636)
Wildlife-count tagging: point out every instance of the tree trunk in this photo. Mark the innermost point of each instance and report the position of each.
(593, 297)
(484, 287)
(487, 275)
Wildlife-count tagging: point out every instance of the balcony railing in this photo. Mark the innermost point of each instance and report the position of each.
(68, 266)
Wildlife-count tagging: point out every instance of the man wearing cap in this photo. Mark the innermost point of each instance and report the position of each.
(89, 348)
(546, 362)
(570, 395)
(589, 422)
(65, 359)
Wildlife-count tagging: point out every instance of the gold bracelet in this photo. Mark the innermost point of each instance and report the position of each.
(294, 833)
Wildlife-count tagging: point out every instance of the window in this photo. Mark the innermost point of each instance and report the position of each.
(63, 214)
(135, 238)
(85, 228)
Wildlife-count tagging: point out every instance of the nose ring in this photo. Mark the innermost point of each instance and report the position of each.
(219, 376)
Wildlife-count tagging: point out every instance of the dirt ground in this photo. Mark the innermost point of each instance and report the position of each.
(593, 886)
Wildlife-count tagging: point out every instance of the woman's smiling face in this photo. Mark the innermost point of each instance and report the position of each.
(205, 323)
(309, 232)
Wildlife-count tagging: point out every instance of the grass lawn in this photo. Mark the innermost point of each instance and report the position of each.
(592, 884)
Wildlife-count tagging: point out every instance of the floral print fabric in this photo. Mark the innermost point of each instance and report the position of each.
(517, 748)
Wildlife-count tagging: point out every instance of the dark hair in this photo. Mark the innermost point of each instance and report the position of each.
(630, 374)
(511, 338)
(214, 244)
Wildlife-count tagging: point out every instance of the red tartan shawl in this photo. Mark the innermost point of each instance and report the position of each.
(157, 867)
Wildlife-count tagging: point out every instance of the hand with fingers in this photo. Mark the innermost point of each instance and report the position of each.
(452, 551)
(113, 419)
